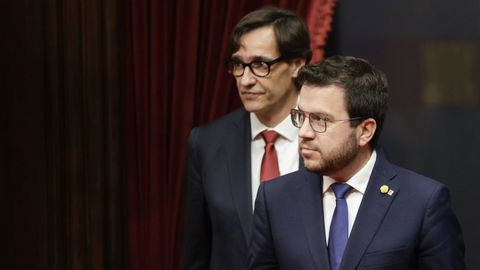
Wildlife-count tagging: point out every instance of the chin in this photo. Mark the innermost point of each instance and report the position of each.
(311, 165)
(251, 106)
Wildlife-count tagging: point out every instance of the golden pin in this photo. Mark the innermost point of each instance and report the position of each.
(384, 189)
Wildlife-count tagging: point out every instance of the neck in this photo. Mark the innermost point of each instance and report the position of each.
(276, 115)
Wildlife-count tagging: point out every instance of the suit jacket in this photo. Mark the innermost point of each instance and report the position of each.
(218, 196)
(413, 228)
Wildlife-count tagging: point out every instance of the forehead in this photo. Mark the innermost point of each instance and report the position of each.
(257, 43)
(329, 100)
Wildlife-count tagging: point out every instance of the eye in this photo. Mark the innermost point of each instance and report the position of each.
(237, 64)
(317, 121)
(315, 117)
(300, 116)
(259, 65)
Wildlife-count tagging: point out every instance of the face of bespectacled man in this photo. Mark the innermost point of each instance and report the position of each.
(273, 95)
(331, 152)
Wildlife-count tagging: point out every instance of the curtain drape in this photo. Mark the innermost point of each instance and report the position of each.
(81, 97)
(175, 79)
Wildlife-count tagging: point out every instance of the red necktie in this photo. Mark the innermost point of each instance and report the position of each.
(269, 162)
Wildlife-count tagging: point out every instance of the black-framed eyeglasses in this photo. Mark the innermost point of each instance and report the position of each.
(318, 122)
(259, 68)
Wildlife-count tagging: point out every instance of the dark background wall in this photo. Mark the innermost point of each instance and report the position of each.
(62, 184)
(430, 51)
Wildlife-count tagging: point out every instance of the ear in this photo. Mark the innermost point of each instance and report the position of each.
(366, 130)
(296, 65)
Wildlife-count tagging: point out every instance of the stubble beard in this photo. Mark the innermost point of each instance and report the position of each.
(336, 159)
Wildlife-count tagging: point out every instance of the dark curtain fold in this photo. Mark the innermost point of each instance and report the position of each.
(175, 79)
(81, 91)
(62, 179)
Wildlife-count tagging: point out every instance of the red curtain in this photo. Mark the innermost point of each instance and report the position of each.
(175, 79)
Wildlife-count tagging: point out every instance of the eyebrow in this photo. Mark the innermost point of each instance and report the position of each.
(324, 115)
(254, 58)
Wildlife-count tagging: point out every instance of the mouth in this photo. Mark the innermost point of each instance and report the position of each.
(306, 151)
(251, 95)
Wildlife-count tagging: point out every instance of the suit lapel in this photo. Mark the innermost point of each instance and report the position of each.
(238, 152)
(311, 208)
(237, 148)
(370, 215)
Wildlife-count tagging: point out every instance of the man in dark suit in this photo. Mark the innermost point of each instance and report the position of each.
(224, 158)
(350, 208)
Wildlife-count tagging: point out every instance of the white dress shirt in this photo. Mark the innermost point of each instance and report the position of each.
(286, 146)
(358, 182)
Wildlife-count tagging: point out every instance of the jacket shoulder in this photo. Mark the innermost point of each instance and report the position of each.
(416, 180)
(406, 178)
(293, 180)
(234, 119)
(233, 128)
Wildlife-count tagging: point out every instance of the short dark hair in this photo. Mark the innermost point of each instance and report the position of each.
(366, 87)
(291, 33)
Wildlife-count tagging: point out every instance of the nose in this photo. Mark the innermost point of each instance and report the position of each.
(306, 131)
(248, 78)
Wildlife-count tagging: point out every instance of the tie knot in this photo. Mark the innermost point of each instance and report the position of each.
(269, 136)
(340, 190)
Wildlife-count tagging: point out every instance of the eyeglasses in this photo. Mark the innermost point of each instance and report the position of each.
(318, 123)
(259, 68)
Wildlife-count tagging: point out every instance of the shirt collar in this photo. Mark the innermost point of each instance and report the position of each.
(358, 181)
(285, 128)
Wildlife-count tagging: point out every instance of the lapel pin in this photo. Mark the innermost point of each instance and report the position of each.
(384, 189)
